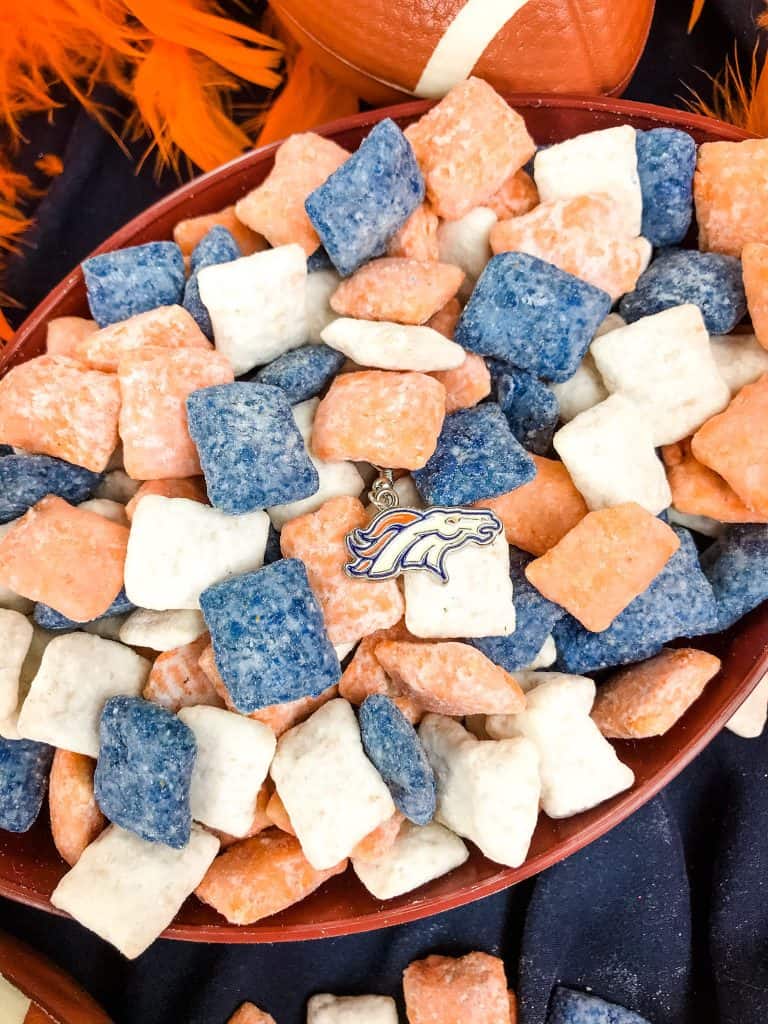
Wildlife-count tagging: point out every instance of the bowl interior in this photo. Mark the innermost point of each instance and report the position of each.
(29, 865)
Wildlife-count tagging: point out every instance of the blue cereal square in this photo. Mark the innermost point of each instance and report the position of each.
(269, 637)
(531, 408)
(395, 750)
(567, 1006)
(477, 456)
(303, 372)
(532, 315)
(24, 768)
(143, 773)
(706, 279)
(250, 448)
(678, 603)
(25, 479)
(362, 204)
(737, 567)
(196, 308)
(217, 246)
(48, 618)
(666, 160)
(134, 280)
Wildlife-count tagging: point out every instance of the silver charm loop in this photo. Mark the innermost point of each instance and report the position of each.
(382, 493)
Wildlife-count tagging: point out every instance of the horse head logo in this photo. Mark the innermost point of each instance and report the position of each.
(404, 538)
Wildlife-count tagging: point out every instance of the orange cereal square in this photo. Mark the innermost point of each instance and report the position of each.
(364, 674)
(64, 333)
(250, 1014)
(417, 238)
(754, 267)
(403, 291)
(699, 491)
(467, 385)
(76, 819)
(177, 681)
(604, 563)
(518, 195)
(164, 327)
(278, 815)
(191, 487)
(730, 190)
(189, 232)
(445, 319)
(470, 989)
(382, 839)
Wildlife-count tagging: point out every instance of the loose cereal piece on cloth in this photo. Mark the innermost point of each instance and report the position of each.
(392, 288)
(666, 159)
(531, 409)
(328, 1009)
(331, 791)
(736, 565)
(467, 146)
(54, 621)
(101, 891)
(417, 238)
(25, 479)
(64, 334)
(162, 631)
(419, 854)
(533, 315)
(568, 1006)
(470, 989)
(250, 1014)
(24, 768)
(64, 557)
(466, 244)
(466, 385)
(518, 195)
(699, 491)
(124, 282)
(358, 209)
(749, 720)
(487, 791)
(729, 178)
(192, 487)
(218, 246)
(143, 773)
(578, 767)
(740, 358)
(303, 372)
(54, 406)
(364, 675)
(165, 327)
(75, 816)
(269, 637)
(178, 547)
(16, 632)
(190, 232)
(392, 346)
(177, 680)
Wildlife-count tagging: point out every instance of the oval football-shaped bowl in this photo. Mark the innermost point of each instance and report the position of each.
(29, 865)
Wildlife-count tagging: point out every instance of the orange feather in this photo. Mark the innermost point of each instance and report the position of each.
(736, 98)
(698, 7)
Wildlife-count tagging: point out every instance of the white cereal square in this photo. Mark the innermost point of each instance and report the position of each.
(740, 358)
(466, 243)
(419, 854)
(14, 1005)
(585, 388)
(321, 284)
(15, 637)
(749, 721)
(162, 631)
(327, 1009)
(107, 508)
(390, 346)
(9, 725)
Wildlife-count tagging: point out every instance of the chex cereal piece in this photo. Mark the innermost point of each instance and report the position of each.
(178, 547)
(189, 232)
(64, 333)
(533, 315)
(321, 284)
(470, 989)
(165, 327)
(328, 1009)
(419, 854)
(54, 406)
(737, 567)
(54, 621)
(269, 637)
(466, 385)
(9, 726)
(112, 510)
(124, 282)
(101, 892)
(319, 260)
(16, 633)
(233, 758)
(666, 159)
(162, 631)
(518, 195)
(609, 452)
(531, 409)
(734, 445)
(647, 699)
(257, 305)
(740, 358)
(177, 680)
(217, 246)
(192, 487)
(25, 479)
(303, 372)
(64, 557)
(75, 816)
(699, 491)
(754, 264)
(578, 767)
(379, 841)
(417, 238)
(585, 388)
(568, 1006)
(677, 277)
(393, 288)
(392, 745)
(445, 319)
(18, 1008)
(364, 675)
(248, 1013)
(24, 768)
(729, 176)
(467, 146)
(331, 791)
(601, 161)
(466, 243)
(388, 419)
(393, 346)
(362, 204)
(278, 815)
(749, 721)
(679, 602)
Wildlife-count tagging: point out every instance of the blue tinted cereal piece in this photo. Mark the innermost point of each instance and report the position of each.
(531, 408)
(476, 457)
(303, 372)
(134, 280)
(250, 448)
(48, 618)
(217, 246)
(319, 260)
(666, 160)
(532, 315)
(568, 1006)
(708, 280)
(362, 204)
(25, 479)
(143, 773)
(196, 308)
(268, 637)
(737, 567)
(24, 768)
(391, 743)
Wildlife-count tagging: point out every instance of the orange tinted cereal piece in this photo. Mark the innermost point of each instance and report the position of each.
(470, 989)
(192, 487)
(188, 233)
(699, 491)
(177, 681)
(364, 674)
(155, 384)
(604, 562)
(401, 290)
(261, 819)
(388, 419)
(276, 207)
(445, 319)
(164, 327)
(467, 385)
(54, 406)
(64, 333)
(647, 699)
(75, 816)
(450, 678)
(518, 195)
(69, 558)
(735, 444)
(540, 513)
(376, 843)
(250, 1014)
(754, 267)
(417, 238)
(729, 187)
(352, 607)
(467, 146)
(278, 815)
(261, 876)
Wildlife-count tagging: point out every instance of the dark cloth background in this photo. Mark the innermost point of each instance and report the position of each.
(667, 914)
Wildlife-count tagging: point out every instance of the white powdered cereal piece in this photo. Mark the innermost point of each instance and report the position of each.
(547, 655)
(9, 726)
(610, 454)
(257, 305)
(487, 790)
(108, 628)
(664, 364)
(108, 509)
(162, 631)
(740, 358)
(14, 1005)
(128, 890)
(78, 673)
(327, 1009)
(331, 791)
(337, 479)
(321, 284)
(701, 524)
(117, 486)
(749, 721)
(601, 161)
(178, 547)
(476, 601)
(390, 346)
(419, 854)
(342, 650)
(466, 243)
(578, 766)
(15, 638)
(585, 388)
